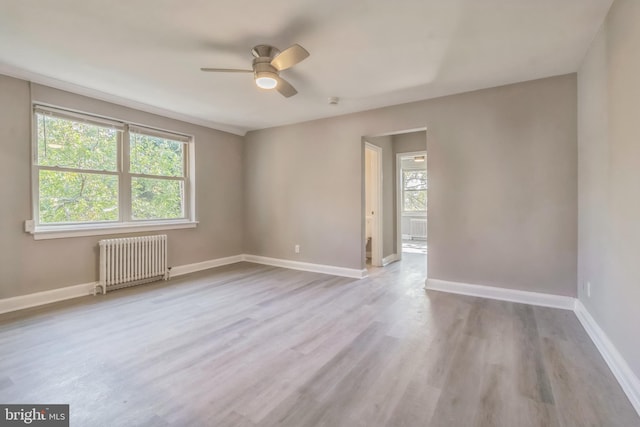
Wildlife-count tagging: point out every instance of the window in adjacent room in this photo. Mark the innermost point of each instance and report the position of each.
(414, 190)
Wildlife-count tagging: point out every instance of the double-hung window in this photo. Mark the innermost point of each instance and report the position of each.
(95, 173)
(414, 190)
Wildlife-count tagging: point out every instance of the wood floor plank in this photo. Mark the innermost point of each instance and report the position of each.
(251, 345)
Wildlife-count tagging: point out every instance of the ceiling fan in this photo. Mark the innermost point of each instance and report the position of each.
(267, 63)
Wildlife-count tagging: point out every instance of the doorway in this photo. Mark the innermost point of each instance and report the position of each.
(384, 211)
(412, 202)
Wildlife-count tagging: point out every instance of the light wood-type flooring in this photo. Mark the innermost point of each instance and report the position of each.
(252, 345)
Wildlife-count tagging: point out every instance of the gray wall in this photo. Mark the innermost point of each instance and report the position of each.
(502, 196)
(609, 179)
(409, 142)
(388, 194)
(30, 266)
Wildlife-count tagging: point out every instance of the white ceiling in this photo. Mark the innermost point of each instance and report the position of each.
(370, 53)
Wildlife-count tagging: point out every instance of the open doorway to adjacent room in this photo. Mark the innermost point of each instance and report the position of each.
(412, 202)
(395, 200)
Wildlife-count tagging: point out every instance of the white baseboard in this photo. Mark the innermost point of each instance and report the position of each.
(305, 266)
(503, 294)
(60, 294)
(621, 370)
(389, 259)
(204, 265)
(276, 262)
(46, 297)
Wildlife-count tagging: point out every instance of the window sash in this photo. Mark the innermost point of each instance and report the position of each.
(183, 201)
(93, 210)
(408, 175)
(404, 200)
(163, 135)
(38, 161)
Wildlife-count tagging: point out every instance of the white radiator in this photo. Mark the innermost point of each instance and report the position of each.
(132, 261)
(418, 228)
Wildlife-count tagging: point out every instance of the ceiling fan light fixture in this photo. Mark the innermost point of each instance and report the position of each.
(266, 80)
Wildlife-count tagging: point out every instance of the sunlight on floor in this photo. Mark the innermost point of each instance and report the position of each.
(414, 246)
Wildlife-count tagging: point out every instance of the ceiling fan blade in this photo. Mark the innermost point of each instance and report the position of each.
(285, 88)
(226, 70)
(289, 57)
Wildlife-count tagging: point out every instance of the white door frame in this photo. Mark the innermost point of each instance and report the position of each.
(399, 157)
(376, 229)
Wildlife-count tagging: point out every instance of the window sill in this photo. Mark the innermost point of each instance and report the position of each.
(62, 232)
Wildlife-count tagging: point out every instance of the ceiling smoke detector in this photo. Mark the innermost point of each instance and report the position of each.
(333, 100)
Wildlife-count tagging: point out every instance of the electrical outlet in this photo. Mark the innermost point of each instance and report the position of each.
(296, 248)
(589, 289)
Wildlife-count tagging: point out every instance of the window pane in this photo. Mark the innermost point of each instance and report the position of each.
(156, 198)
(152, 155)
(77, 145)
(77, 197)
(415, 201)
(415, 179)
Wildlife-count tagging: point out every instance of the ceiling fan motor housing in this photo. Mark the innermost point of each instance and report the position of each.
(265, 51)
(262, 67)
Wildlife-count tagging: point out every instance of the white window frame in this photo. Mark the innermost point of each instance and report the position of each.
(124, 224)
(403, 190)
